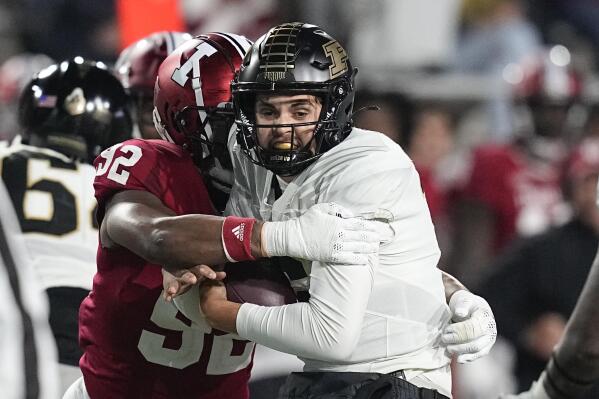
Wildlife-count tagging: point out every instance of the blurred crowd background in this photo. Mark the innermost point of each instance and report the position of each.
(496, 102)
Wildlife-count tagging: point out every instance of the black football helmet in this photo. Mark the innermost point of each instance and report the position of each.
(291, 59)
(76, 107)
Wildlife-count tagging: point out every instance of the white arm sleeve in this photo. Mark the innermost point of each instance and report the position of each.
(325, 328)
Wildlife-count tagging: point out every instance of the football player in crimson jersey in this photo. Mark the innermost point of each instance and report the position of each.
(154, 211)
(513, 189)
(137, 68)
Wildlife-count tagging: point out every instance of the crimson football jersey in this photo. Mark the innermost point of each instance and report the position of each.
(524, 194)
(136, 344)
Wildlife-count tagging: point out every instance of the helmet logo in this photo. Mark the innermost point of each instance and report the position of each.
(338, 57)
(273, 76)
(74, 104)
(180, 75)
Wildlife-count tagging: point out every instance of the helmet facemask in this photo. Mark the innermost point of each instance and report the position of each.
(295, 59)
(327, 129)
(206, 130)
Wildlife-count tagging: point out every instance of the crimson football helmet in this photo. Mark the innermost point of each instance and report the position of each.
(137, 68)
(549, 87)
(192, 95)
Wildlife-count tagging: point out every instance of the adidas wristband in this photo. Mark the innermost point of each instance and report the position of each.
(237, 238)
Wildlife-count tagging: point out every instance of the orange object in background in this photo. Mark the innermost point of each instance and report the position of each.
(139, 18)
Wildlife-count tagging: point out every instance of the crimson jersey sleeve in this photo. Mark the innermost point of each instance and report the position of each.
(146, 165)
(489, 181)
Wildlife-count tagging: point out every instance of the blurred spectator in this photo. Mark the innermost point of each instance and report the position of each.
(537, 282)
(513, 189)
(496, 35)
(15, 73)
(428, 145)
(392, 118)
(430, 142)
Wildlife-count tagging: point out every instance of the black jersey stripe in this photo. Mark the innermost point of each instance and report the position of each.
(32, 388)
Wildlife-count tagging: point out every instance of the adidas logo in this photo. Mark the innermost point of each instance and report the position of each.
(238, 231)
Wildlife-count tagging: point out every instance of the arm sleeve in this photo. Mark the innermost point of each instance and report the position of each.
(325, 328)
(328, 327)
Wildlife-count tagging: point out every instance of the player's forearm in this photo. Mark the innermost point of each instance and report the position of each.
(140, 222)
(222, 315)
(189, 240)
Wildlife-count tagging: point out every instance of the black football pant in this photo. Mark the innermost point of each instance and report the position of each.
(334, 385)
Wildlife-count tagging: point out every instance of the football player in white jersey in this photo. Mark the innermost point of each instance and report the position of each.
(69, 112)
(363, 326)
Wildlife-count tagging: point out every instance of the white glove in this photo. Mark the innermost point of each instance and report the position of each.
(473, 331)
(327, 233)
(536, 391)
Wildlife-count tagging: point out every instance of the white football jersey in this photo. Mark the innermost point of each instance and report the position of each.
(53, 197)
(389, 313)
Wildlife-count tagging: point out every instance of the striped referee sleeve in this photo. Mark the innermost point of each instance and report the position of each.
(28, 365)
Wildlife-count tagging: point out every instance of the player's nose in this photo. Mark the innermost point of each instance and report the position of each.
(281, 128)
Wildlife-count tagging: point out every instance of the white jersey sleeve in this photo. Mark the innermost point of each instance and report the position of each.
(325, 328)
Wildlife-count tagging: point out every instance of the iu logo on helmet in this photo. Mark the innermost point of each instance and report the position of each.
(180, 75)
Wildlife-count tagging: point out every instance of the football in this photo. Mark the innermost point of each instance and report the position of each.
(259, 282)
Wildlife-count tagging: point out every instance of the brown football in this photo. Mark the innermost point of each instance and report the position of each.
(260, 282)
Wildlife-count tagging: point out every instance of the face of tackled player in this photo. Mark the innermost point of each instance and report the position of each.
(287, 122)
